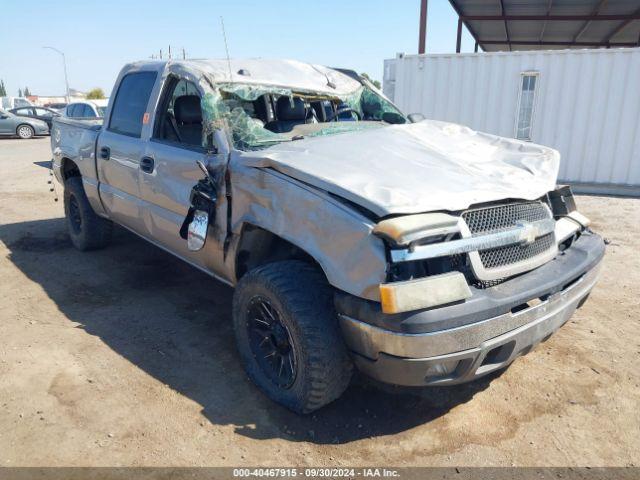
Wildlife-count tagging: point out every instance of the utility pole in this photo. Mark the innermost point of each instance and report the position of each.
(422, 39)
(64, 63)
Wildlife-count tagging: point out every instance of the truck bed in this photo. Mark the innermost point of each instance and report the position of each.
(75, 140)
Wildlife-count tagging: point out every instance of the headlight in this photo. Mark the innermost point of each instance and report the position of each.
(410, 228)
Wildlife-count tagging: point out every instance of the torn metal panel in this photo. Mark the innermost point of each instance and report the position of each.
(420, 167)
(337, 237)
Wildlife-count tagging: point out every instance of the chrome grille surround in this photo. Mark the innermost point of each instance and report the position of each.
(505, 261)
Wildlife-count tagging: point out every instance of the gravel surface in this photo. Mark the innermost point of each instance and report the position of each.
(126, 356)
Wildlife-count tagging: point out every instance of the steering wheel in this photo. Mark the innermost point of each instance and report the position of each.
(340, 111)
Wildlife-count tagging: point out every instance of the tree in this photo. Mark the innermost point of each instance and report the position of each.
(95, 94)
(376, 83)
(3, 90)
(19, 92)
(27, 92)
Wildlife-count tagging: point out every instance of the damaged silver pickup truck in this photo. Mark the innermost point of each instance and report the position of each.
(419, 252)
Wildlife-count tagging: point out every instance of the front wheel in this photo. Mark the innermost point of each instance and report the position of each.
(25, 132)
(288, 336)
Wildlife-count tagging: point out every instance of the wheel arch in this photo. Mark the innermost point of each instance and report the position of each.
(258, 246)
(69, 168)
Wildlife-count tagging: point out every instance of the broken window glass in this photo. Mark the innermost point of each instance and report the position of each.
(233, 106)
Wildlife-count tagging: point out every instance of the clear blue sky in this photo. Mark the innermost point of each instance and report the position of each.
(98, 37)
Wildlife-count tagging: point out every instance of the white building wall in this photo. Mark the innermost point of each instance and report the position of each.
(587, 104)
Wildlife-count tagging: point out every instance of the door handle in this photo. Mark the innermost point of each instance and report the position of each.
(147, 164)
(105, 153)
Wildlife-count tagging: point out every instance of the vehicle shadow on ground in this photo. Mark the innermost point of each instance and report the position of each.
(174, 322)
(21, 140)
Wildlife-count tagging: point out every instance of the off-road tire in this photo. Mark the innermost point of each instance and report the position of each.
(87, 230)
(303, 300)
(25, 132)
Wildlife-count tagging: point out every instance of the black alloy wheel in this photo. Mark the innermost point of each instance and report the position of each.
(270, 342)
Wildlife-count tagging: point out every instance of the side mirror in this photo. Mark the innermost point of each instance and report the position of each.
(197, 231)
(415, 117)
(202, 211)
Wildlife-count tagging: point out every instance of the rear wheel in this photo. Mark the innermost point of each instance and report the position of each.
(25, 131)
(87, 230)
(288, 335)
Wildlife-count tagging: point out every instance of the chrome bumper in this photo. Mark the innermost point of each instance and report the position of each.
(462, 354)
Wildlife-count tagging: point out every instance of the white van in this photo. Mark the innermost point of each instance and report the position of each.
(8, 103)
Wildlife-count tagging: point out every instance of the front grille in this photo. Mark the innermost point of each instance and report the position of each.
(510, 254)
(504, 217)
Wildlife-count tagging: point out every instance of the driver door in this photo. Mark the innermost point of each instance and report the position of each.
(172, 171)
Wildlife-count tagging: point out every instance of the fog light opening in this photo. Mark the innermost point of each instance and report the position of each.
(499, 354)
(439, 370)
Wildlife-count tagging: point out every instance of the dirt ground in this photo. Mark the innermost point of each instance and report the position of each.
(126, 357)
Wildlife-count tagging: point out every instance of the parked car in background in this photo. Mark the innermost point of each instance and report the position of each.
(58, 107)
(41, 113)
(8, 103)
(86, 109)
(23, 127)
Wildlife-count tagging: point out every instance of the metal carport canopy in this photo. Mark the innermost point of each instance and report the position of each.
(549, 24)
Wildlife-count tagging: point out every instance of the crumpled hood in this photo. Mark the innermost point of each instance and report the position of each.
(419, 167)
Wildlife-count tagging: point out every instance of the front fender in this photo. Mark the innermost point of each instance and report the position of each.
(336, 236)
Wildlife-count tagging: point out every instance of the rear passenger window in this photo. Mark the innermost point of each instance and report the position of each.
(89, 112)
(131, 103)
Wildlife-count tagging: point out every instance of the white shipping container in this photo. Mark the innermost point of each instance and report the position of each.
(585, 103)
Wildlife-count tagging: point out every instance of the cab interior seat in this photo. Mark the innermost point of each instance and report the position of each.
(188, 117)
(290, 113)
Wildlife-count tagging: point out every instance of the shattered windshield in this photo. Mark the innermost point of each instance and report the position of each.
(261, 116)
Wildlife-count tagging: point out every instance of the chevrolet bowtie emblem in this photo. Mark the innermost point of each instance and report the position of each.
(529, 232)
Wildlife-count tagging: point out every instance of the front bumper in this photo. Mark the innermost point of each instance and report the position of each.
(483, 334)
